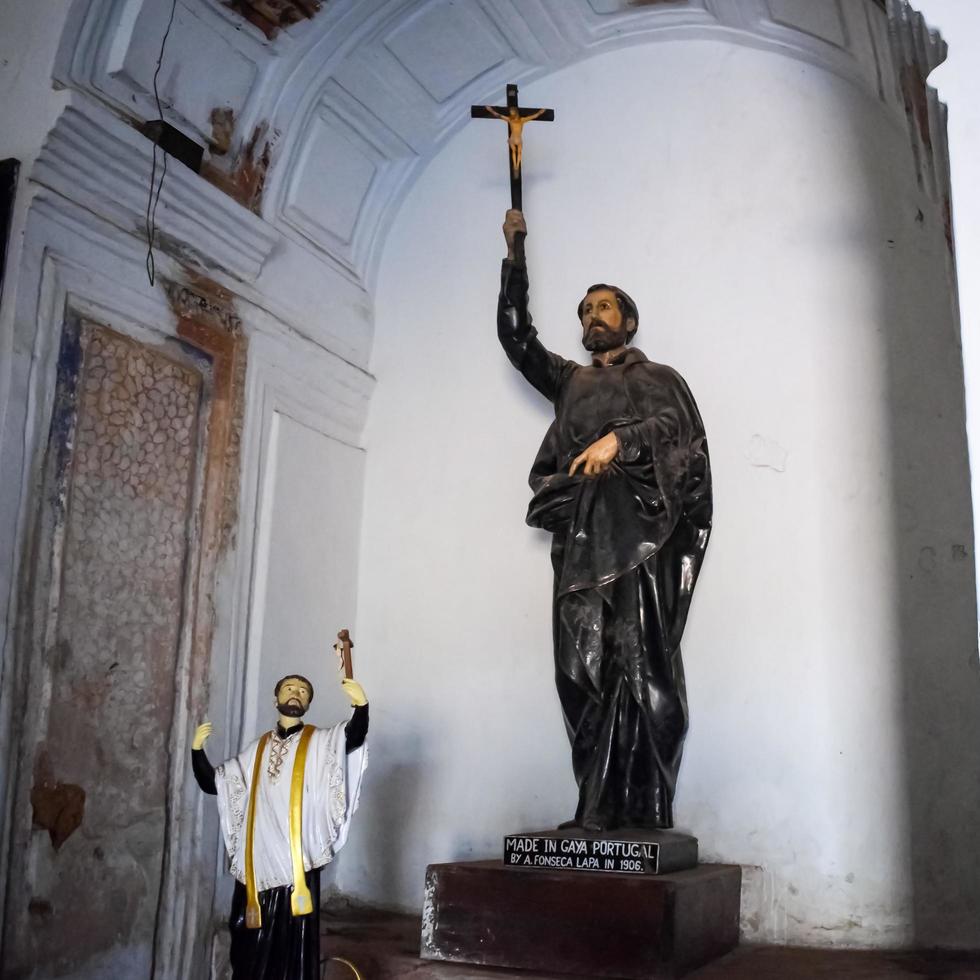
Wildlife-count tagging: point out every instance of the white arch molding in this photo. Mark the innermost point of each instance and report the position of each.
(358, 100)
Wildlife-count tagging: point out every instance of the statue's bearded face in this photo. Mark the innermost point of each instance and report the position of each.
(603, 325)
(293, 698)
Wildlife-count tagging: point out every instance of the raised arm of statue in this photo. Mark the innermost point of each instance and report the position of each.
(203, 770)
(540, 367)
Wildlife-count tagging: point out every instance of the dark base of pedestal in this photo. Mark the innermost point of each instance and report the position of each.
(596, 925)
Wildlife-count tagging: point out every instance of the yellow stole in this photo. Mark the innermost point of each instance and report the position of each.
(301, 902)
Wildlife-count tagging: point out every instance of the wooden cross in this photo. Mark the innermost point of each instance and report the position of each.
(343, 648)
(515, 116)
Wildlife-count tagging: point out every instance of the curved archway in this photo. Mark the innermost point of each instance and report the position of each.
(379, 93)
(787, 248)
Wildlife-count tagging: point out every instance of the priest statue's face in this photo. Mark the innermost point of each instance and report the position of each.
(607, 321)
(293, 696)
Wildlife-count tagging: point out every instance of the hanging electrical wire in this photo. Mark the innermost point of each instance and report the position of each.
(154, 197)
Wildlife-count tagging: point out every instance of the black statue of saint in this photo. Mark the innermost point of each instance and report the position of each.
(623, 482)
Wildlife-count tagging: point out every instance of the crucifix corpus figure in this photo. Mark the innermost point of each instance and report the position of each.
(623, 483)
(515, 120)
(515, 116)
(285, 804)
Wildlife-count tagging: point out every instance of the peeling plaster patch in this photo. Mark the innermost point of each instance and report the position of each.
(914, 94)
(429, 917)
(63, 418)
(766, 453)
(57, 807)
(844, 926)
(203, 298)
(245, 180)
(184, 253)
(207, 320)
(269, 16)
(222, 129)
(757, 894)
(774, 909)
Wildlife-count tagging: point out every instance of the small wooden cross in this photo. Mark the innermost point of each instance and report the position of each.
(343, 648)
(515, 116)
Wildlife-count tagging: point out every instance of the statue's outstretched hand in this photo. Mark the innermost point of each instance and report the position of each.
(202, 734)
(597, 457)
(514, 225)
(354, 691)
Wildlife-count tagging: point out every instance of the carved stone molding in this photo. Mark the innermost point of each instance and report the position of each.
(100, 163)
(917, 50)
(186, 301)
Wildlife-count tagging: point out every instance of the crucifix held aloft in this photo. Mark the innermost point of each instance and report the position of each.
(515, 116)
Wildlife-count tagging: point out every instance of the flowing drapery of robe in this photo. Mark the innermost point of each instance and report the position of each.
(286, 947)
(627, 548)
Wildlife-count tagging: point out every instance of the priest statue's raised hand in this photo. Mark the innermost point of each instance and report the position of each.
(285, 805)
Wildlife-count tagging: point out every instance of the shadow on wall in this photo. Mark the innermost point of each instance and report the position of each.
(386, 826)
(936, 624)
(934, 590)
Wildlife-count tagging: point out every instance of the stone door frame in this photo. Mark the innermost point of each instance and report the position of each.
(68, 290)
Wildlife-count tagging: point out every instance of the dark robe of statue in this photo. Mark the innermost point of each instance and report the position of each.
(627, 548)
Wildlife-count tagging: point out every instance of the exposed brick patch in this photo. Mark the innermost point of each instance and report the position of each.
(245, 179)
(222, 129)
(57, 808)
(270, 16)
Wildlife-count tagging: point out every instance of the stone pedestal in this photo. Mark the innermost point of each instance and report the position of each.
(595, 925)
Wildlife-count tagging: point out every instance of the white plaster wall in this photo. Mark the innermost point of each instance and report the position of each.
(28, 43)
(305, 568)
(765, 216)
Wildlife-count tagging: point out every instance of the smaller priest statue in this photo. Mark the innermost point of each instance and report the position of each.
(285, 805)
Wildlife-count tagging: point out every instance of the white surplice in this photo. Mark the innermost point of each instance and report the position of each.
(332, 786)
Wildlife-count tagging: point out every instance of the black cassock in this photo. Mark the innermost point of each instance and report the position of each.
(627, 549)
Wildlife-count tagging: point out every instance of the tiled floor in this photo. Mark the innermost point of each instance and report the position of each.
(384, 946)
